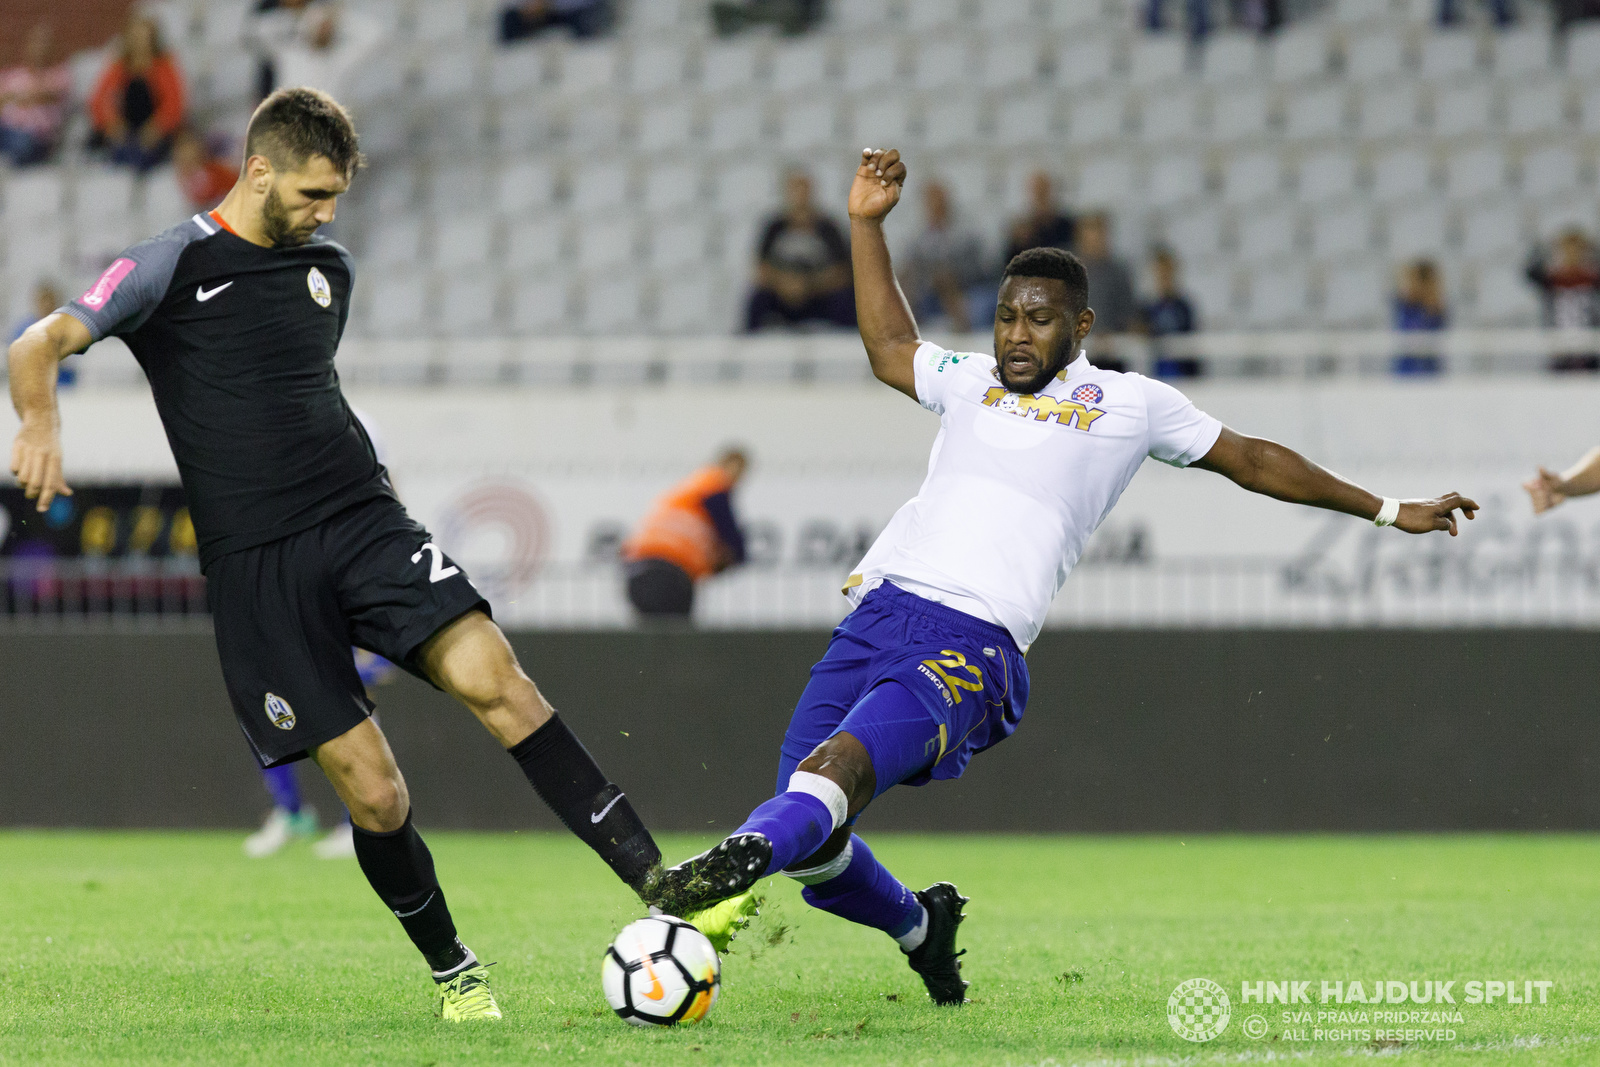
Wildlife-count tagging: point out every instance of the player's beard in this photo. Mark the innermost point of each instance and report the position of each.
(1052, 367)
(275, 224)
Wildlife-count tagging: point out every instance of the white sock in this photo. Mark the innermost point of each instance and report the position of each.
(912, 939)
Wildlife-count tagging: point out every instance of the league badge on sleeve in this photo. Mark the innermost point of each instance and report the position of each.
(321, 291)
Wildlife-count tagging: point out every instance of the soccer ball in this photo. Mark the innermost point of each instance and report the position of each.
(660, 971)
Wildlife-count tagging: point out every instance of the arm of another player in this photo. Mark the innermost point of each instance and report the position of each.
(1547, 489)
(1270, 469)
(887, 327)
(34, 361)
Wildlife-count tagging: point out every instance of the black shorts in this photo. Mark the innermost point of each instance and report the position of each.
(286, 614)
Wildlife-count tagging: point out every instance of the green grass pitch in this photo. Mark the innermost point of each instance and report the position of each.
(174, 948)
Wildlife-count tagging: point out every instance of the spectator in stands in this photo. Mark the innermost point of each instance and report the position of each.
(529, 18)
(689, 535)
(1450, 13)
(1171, 312)
(1044, 226)
(328, 47)
(46, 299)
(789, 16)
(204, 177)
(1568, 277)
(33, 101)
(945, 275)
(268, 29)
(803, 267)
(1419, 306)
(138, 103)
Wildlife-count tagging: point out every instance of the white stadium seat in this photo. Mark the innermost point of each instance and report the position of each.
(103, 193)
(679, 243)
(669, 187)
(806, 124)
(1504, 296)
(596, 124)
(1009, 62)
(882, 119)
(534, 243)
(1279, 296)
(524, 185)
(1341, 230)
(587, 68)
(526, 124)
(1299, 52)
(728, 65)
(598, 185)
(1446, 53)
(1564, 212)
(1240, 114)
(468, 303)
(1493, 229)
(1379, 54)
(399, 304)
(1314, 113)
(947, 61)
(871, 64)
(1176, 179)
(1402, 173)
(1549, 170)
(687, 303)
(736, 124)
(1267, 233)
(38, 192)
(1353, 11)
(1417, 230)
(397, 240)
(463, 241)
(1536, 105)
(1195, 233)
(1107, 180)
(948, 122)
(1083, 62)
(1029, 118)
(1090, 119)
(1231, 56)
(1355, 296)
(539, 304)
(1073, 14)
(799, 65)
(1211, 284)
(448, 74)
(1157, 60)
(666, 124)
(437, 20)
(748, 186)
(1583, 50)
(657, 65)
(1171, 116)
(1389, 109)
(999, 14)
(1474, 172)
(1462, 108)
(933, 14)
(613, 304)
(1326, 176)
(860, 14)
(1522, 50)
(164, 201)
(1251, 176)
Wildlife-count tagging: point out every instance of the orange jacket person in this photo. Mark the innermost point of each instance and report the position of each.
(690, 534)
(138, 102)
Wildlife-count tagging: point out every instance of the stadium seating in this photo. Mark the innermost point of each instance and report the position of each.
(596, 186)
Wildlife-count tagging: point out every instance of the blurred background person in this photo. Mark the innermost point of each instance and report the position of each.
(204, 176)
(1419, 306)
(945, 276)
(138, 102)
(1111, 293)
(529, 18)
(46, 297)
(327, 47)
(690, 534)
(269, 28)
(802, 267)
(1568, 278)
(1169, 312)
(1044, 225)
(33, 101)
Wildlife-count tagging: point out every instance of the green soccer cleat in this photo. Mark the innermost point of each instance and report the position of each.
(721, 922)
(466, 996)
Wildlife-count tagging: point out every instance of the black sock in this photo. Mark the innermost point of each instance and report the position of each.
(566, 778)
(400, 869)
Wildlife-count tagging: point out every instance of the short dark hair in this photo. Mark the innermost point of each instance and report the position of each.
(1055, 263)
(293, 125)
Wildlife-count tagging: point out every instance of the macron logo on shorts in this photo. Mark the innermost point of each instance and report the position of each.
(101, 291)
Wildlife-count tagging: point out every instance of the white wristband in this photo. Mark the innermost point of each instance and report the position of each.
(1388, 513)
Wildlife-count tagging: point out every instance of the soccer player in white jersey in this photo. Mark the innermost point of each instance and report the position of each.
(1034, 448)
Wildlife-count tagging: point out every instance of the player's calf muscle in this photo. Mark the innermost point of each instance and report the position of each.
(844, 761)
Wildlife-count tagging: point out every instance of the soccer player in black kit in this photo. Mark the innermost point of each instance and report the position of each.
(235, 316)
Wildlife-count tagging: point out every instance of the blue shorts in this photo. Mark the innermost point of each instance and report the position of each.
(960, 686)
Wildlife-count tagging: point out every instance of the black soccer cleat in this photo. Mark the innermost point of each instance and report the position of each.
(724, 870)
(936, 959)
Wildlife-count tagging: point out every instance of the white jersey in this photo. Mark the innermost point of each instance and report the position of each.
(1017, 483)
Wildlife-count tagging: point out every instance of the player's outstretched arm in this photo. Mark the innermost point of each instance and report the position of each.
(1269, 468)
(1547, 489)
(34, 361)
(887, 327)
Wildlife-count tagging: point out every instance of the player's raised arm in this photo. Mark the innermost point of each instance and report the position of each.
(887, 327)
(1269, 468)
(1547, 488)
(34, 360)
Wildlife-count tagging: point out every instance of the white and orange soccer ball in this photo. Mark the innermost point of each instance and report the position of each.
(661, 971)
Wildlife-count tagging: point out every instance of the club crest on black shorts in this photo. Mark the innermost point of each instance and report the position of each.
(279, 711)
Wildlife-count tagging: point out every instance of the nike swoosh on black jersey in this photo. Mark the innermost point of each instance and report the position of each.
(201, 295)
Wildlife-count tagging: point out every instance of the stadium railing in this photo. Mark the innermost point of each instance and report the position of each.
(838, 357)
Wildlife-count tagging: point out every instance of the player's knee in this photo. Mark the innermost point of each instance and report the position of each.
(380, 803)
(844, 761)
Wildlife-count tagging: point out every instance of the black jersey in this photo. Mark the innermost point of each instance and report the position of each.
(238, 342)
